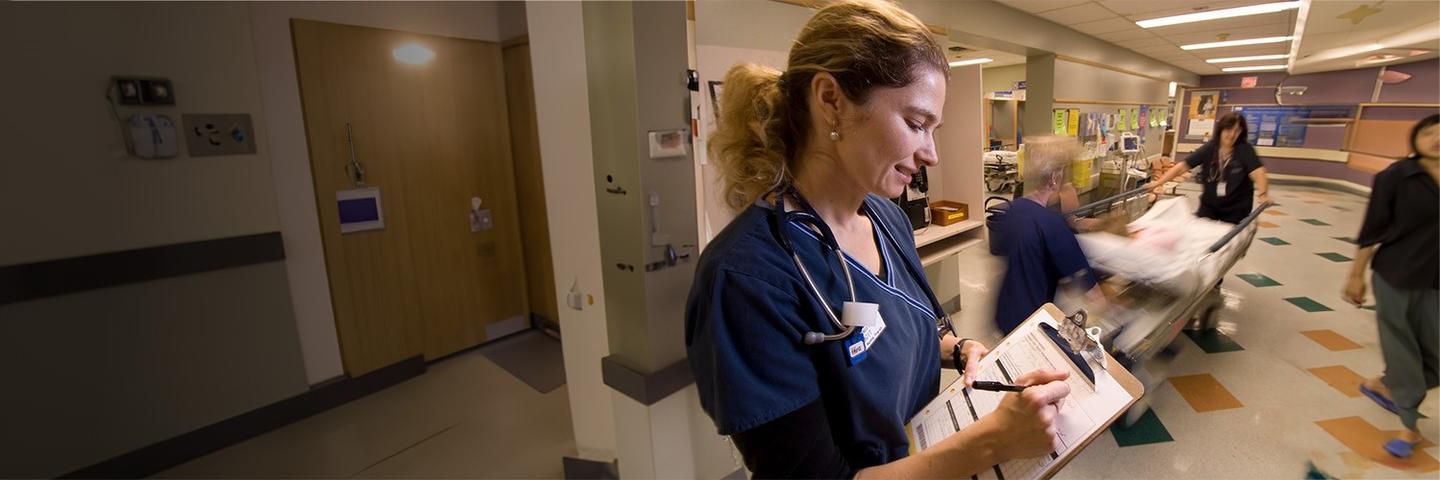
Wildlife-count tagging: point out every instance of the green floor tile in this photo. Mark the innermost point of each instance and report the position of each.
(1334, 257)
(1345, 239)
(1369, 307)
(1258, 280)
(1343, 209)
(1308, 305)
(1315, 222)
(1146, 430)
(1274, 241)
(1212, 341)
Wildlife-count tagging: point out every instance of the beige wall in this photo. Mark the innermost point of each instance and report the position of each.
(65, 178)
(294, 187)
(95, 374)
(562, 107)
(1002, 78)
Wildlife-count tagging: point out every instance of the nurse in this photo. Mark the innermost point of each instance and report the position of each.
(1232, 176)
(810, 154)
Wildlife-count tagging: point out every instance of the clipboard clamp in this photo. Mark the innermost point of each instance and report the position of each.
(1085, 341)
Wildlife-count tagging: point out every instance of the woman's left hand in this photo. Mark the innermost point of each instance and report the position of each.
(1264, 198)
(972, 351)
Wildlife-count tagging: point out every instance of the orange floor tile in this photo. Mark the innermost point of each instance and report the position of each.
(1341, 378)
(1335, 342)
(1368, 441)
(1204, 393)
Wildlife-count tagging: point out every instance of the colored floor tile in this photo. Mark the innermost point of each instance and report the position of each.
(1369, 307)
(1212, 341)
(1345, 239)
(1334, 257)
(1146, 430)
(1204, 393)
(1267, 225)
(1277, 213)
(1315, 222)
(1308, 305)
(1258, 280)
(1274, 241)
(1342, 379)
(1340, 208)
(1332, 341)
(1363, 438)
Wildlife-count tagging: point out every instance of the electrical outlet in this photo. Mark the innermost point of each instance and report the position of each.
(218, 134)
(575, 300)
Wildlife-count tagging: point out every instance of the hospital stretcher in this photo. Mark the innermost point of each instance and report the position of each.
(1161, 291)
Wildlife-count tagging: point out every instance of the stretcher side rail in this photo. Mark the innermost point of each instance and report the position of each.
(1092, 207)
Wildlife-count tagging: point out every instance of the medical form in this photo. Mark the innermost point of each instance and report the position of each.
(1087, 411)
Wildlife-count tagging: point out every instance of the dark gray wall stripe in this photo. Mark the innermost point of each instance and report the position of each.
(167, 454)
(646, 388)
(29, 281)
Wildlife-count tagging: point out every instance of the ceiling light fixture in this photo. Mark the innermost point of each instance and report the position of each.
(1235, 43)
(1255, 68)
(1218, 14)
(974, 61)
(1247, 59)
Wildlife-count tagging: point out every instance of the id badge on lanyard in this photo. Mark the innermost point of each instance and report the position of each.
(1224, 174)
(866, 317)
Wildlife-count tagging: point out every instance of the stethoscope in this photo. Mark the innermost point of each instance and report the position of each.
(806, 217)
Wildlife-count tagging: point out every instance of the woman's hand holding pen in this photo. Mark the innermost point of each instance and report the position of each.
(1024, 423)
(972, 351)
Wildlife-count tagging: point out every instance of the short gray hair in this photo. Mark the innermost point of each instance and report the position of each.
(1046, 156)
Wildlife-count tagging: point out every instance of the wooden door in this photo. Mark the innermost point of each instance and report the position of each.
(430, 136)
(525, 138)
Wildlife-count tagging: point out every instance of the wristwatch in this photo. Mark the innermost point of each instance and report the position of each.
(956, 357)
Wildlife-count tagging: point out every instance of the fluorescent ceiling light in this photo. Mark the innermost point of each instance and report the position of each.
(973, 61)
(1254, 68)
(1235, 43)
(1247, 59)
(1218, 14)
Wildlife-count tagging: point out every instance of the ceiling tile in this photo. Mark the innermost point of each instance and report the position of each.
(1150, 41)
(1037, 6)
(1325, 16)
(1087, 12)
(1145, 10)
(1113, 24)
(1127, 35)
(1276, 30)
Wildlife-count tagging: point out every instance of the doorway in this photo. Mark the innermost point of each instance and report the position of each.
(425, 119)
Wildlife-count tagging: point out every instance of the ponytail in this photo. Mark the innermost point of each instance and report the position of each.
(750, 141)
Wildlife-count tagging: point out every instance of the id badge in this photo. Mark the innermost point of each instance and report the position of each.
(1220, 188)
(855, 348)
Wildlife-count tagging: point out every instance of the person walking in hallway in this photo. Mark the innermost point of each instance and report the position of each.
(1400, 235)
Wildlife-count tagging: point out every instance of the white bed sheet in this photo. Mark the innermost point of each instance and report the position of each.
(1181, 270)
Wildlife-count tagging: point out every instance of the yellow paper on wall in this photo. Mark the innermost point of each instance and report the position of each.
(1080, 173)
(1074, 126)
(1134, 119)
(1124, 121)
(1059, 125)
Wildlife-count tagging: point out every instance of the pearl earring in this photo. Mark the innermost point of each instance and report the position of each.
(834, 136)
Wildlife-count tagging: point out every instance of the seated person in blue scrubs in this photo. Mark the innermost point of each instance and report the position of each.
(809, 155)
(1040, 251)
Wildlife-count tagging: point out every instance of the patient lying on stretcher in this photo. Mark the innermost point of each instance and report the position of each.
(1160, 238)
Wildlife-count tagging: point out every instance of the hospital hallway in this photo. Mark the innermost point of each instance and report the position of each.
(1273, 388)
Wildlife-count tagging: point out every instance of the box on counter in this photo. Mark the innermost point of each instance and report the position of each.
(945, 212)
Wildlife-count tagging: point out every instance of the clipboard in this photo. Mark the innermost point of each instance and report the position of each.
(1084, 416)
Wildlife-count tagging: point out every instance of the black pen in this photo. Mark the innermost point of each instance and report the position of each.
(996, 386)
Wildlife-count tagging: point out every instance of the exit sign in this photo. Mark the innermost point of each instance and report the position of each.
(1248, 82)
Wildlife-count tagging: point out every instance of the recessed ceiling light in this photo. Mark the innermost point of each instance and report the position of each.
(1235, 43)
(1256, 68)
(1247, 59)
(1218, 14)
(975, 61)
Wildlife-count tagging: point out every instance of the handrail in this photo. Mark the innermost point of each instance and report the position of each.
(1239, 227)
(1106, 201)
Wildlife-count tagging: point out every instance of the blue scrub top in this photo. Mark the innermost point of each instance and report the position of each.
(749, 310)
(1040, 251)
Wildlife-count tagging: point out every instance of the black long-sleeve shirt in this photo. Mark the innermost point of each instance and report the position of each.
(1402, 218)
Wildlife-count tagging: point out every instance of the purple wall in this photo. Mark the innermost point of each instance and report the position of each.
(1317, 168)
(1420, 88)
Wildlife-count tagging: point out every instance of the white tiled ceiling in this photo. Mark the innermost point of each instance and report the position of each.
(1114, 22)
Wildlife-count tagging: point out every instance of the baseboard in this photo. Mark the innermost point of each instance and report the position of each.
(167, 454)
(581, 468)
(507, 327)
(1320, 182)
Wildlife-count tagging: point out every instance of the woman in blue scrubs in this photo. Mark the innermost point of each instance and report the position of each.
(810, 154)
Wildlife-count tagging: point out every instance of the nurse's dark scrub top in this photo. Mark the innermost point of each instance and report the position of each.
(749, 310)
